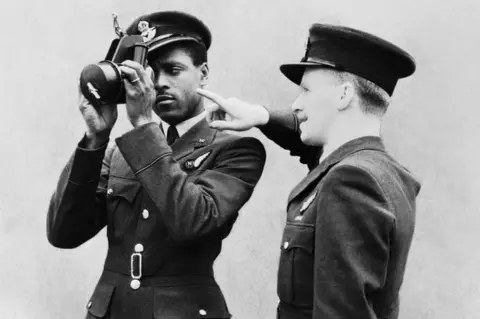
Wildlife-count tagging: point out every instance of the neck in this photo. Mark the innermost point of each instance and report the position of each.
(345, 132)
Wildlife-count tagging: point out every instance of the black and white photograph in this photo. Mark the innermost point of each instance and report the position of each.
(240, 159)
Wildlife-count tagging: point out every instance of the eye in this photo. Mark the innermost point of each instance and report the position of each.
(174, 70)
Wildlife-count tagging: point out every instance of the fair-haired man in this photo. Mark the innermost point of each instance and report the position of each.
(350, 221)
(168, 194)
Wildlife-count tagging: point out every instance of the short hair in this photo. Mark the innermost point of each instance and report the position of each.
(373, 99)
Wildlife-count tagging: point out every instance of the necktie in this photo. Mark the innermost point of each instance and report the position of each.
(172, 134)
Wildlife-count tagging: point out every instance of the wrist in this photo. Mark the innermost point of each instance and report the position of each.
(94, 140)
(141, 121)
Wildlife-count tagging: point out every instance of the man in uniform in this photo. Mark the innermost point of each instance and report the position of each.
(167, 194)
(350, 221)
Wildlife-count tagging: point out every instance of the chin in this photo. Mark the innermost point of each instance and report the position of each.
(310, 140)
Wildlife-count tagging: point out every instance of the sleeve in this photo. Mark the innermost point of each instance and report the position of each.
(193, 207)
(353, 228)
(282, 129)
(77, 210)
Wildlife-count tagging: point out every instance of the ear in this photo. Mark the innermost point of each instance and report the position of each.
(346, 94)
(204, 71)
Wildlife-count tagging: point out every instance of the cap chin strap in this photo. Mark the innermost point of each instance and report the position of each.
(169, 38)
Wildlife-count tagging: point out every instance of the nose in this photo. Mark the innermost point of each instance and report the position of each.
(297, 105)
(161, 81)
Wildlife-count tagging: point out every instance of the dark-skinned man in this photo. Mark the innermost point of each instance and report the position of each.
(350, 221)
(168, 195)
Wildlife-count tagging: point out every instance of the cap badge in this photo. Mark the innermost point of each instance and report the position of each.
(147, 33)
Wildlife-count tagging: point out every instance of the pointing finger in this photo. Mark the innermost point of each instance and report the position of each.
(212, 96)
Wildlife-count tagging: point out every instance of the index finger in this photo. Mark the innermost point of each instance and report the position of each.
(137, 67)
(214, 97)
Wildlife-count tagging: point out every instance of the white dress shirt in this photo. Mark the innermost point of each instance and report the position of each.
(184, 126)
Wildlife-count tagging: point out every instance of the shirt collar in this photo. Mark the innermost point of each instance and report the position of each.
(184, 126)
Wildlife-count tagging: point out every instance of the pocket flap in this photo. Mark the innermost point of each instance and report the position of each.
(100, 300)
(190, 302)
(298, 236)
(123, 187)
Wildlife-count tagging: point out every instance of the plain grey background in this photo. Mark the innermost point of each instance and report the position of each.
(431, 128)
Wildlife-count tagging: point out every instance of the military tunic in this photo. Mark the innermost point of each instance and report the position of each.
(166, 209)
(348, 230)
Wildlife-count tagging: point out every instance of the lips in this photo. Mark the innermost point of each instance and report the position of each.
(164, 97)
(301, 117)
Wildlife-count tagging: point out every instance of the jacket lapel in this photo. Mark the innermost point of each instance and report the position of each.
(200, 135)
(347, 149)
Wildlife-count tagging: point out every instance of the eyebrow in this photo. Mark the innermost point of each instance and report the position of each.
(168, 64)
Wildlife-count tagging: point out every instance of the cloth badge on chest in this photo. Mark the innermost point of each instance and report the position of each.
(195, 163)
(307, 202)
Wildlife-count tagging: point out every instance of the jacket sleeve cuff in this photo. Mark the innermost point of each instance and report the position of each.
(143, 146)
(86, 163)
(280, 119)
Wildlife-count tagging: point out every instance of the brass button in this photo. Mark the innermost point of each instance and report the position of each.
(135, 284)
(110, 191)
(89, 305)
(138, 248)
(145, 214)
(285, 245)
(202, 312)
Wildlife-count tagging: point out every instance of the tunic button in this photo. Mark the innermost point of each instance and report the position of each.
(89, 305)
(138, 248)
(135, 284)
(110, 191)
(202, 312)
(285, 245)
(145, 214)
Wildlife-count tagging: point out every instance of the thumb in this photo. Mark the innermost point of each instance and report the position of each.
(221, 125)
(211, 108)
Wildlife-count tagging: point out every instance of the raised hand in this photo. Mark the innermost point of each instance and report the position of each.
(99, 120)
(232, 113)
(140, 92)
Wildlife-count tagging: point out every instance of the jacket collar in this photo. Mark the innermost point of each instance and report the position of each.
(345, 150)
(199, 135)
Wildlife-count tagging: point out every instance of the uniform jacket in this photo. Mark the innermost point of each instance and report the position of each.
(348, 231)
(171, 207)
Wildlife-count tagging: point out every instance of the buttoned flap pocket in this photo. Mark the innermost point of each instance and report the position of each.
(123, 187)
(298, 236)
(100, 300)
(295, 274)
(192, 301)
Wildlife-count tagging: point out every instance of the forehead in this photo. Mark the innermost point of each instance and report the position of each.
(171, 55)
(318, 76)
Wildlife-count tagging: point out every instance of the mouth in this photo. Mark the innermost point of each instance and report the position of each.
(301, 118)
(164, 99)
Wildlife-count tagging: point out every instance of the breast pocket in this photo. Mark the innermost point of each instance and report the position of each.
(121, 194)
(191, 301)
(295, 274)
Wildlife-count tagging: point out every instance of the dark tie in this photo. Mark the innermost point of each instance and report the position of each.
(172, 134)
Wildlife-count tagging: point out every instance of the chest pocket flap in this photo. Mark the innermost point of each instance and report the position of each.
(298, 236)
(123, 187)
